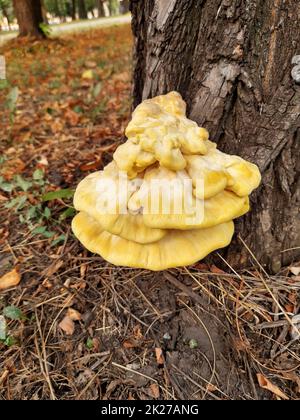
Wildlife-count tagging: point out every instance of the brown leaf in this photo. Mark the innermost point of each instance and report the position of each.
(211, 388)
(295, 270)
(3, 198)
(90, 64)
(67, 325)
(130, 344)
(137, 332)
(122, 77)
(83, 269)
(159, 356)
(154, 391)
(72, 117)
(91, 166)
(214, 269)
(57, 126)
(49, 271)
(202, 267)
(12, 167)
(266, 384)
(73, 314)
(10, 279)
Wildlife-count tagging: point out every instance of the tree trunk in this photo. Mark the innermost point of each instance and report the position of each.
(82, 11)
(100, 6)
(44, 12)
(125, 6)
(73, 10)
(232, 62)
(113, 6)
(29, 16)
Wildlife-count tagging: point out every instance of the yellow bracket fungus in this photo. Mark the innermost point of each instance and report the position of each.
(169, 197)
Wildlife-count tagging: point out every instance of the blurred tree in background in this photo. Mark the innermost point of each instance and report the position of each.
(100, 7)
(6, 11)
(114, 7)
(30, 17)
(82, 9)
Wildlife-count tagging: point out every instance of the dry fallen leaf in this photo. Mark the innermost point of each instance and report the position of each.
(83, 269)
(214, 269)
(67, 325)
(266, 384)
(3, 198)
(154, 390)
(130, 344)
(90, 64)
(295, 270)
(73, 314)
(91, 166)
(49, 271)
(137, 333)
(72, 117)
(88, 74)
(10, 279)
(159, 356)
(211, 388)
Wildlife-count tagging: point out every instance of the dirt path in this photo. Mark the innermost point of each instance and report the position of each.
(77, 26)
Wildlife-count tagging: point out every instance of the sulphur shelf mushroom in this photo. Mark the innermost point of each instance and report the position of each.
(169, 197)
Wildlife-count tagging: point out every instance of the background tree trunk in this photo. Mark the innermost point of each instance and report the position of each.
(44, 12)
(82, 10)
(113, 6)
(125, 6)
(100, 7)
(73, 10)
(29, 16)
(231, 61)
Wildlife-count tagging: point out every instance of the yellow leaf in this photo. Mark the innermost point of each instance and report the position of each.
(88, 74)
(10, 279)
(266, 384)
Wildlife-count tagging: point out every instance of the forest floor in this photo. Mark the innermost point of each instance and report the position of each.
(75, 327)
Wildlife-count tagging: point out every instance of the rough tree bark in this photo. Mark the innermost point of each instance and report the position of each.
(232, 62)
(29, 16)
(82, 10)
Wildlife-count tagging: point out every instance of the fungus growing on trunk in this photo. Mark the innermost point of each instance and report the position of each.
(169, 197)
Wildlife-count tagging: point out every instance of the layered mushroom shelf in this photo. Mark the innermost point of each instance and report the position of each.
(169, 197)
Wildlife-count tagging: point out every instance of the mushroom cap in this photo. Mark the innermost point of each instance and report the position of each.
(219, 209)
(169, 196)
(214, 177)
(160, 128)
(164, 205)
(163, 254)
(128, 226)
(243, 176)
